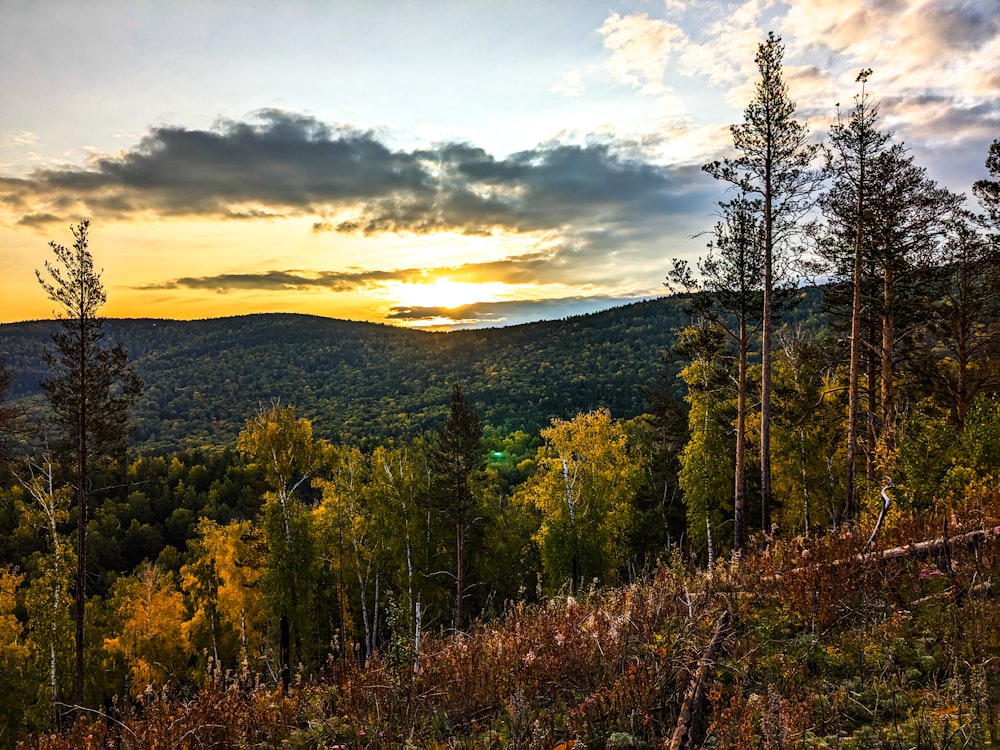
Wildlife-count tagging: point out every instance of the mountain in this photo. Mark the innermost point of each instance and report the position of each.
(365, 383)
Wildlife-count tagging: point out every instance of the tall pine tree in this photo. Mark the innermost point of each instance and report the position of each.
(91, 388)
(775, 165)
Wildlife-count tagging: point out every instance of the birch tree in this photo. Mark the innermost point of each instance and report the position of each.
(583, 489)
(282, 445)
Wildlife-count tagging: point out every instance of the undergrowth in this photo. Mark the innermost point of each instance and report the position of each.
(823, 645)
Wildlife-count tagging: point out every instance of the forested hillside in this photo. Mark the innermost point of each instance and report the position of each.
(366, 383)
(748, 515)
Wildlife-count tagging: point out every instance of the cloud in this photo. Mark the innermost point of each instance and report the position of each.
(508, 312)
(570, 83)
(578, 204)
(337, 281)
(640, 49)
(279, 164)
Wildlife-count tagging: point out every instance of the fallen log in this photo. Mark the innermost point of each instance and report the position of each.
(913, 549)
(694, 697)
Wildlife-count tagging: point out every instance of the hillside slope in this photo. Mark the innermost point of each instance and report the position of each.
(364, 382)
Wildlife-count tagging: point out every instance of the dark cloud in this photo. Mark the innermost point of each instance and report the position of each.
(37, 219)
(524, 269)
(280, 164)
(337, 281)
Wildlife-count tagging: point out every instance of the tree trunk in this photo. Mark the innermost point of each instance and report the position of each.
(739, 503)
(459, 572)
(854, 368)
(765, 357)
(81, 503)
(887, 438)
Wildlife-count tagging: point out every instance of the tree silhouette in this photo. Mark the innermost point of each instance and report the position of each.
(91, 388)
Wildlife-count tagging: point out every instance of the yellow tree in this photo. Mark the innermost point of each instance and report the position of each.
(347, 521)
(583, 489)
(13, 655)
(151, 636)
(397, 485)
(222, 582)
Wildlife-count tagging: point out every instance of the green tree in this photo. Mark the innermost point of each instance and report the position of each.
(583, 489)
(961, 356)
(47, 598)
(910, 218)
(731, 282)
(809, 433)
(457, 461)
(775, 165)
(7, 418)
(348, 515)
(91, 389)
(988, 191)
(707, 459)
(282, 446)
(399, 480)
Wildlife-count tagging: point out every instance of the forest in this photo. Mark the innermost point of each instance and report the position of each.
(757, 512)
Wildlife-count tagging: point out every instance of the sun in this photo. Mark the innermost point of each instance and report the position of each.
(445, 293)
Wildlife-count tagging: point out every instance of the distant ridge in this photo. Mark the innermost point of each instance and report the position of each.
(363, 382)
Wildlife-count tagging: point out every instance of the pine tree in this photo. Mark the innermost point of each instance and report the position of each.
(988, 191)
(775, 165)
(91, 388)
(731, 282)
(855, 145)
(456, 459)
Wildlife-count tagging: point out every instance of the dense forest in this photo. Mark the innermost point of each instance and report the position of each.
(750, 514)
(363, 383)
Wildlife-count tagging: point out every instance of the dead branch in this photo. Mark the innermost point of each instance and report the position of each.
(694, 696)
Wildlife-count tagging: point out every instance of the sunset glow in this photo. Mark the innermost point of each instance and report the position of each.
(454, 164)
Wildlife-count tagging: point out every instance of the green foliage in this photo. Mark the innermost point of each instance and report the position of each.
(583, 490)
(935, 463)
(706, 473)
(364, 383)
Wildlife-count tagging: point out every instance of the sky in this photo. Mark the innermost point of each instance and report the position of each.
(440, 164)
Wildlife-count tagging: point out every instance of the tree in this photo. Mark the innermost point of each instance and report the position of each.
(222, 582)
(399, 482)
(775, 164)
(962, 351)
(706, 461)
(583, 489)
(151, 637)
(731, 279)
(855, 144)
(91, 390)
(988, 191)
(46, 599)
(809, 431)
(7, 416)
(347, 515)
(456, 461)
(282, 446)
(910, 218)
